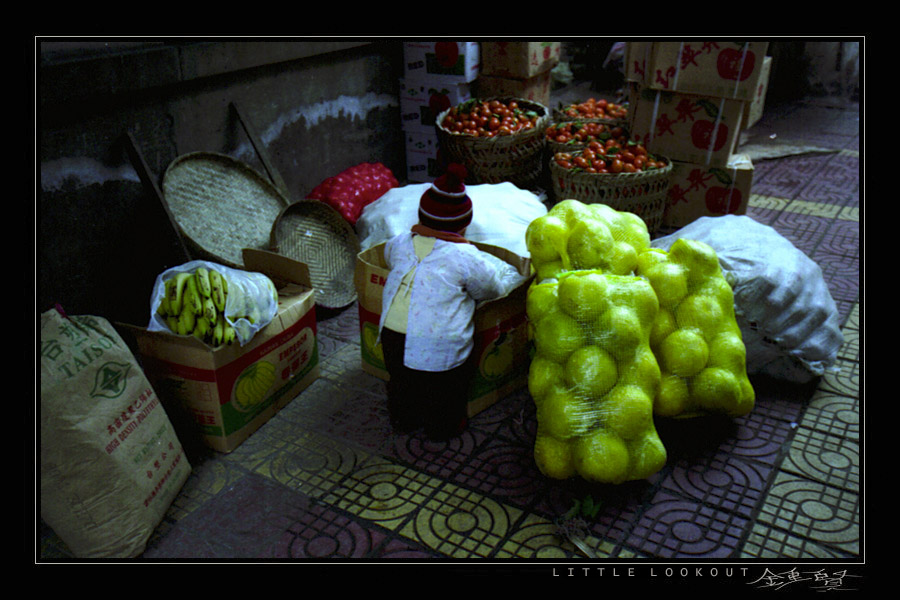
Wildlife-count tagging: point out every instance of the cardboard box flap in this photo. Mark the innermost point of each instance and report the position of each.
(279, 268)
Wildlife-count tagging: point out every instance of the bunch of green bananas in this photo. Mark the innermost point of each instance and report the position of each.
(194, 304)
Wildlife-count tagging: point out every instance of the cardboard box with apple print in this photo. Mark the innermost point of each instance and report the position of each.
(536, 89)
(501, 329)
(685, 127)
(458, 62)
(753, 109)
(728, 69)
(423, 98)
(519, 60)
(422, 158)
(697, 190)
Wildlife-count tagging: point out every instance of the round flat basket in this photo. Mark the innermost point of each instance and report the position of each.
(643, 193)
(313, 233)
(517, 158)
(221, 204)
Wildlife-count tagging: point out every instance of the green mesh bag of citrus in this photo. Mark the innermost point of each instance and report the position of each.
(695, 336)
(577, 236)
(593, 376)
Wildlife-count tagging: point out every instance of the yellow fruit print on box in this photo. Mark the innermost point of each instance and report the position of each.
(253, 385)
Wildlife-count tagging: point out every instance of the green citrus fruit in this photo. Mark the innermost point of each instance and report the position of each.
(553, 457)
(557, 335)
(591, 371)
(622, 258)
(727, 350)
(563, 415)
(670, 281)
(648, 455)
(543, 376)
(700, 312)
(699, 258)
(673, 396)
(589, 243)
(619, 331)
(663, 325)
(545, 238)
(716, 390)
(684, 352)
(540, 301)
(627, 410)
(583, 295)
(602, 456)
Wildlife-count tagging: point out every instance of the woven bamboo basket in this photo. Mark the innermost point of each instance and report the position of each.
(221, 205)
(311, 232)
(559, 116)
(643, 193)
(517, 158)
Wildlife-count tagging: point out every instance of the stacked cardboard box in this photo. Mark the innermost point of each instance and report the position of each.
(436, 76)
(689, 101)
(520, 69)
(203, 382)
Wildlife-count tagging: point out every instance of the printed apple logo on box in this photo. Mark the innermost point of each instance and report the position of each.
(735, 64)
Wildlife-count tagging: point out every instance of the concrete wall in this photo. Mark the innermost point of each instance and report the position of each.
(102, 234)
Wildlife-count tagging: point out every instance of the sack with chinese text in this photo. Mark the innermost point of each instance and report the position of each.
(111, 463)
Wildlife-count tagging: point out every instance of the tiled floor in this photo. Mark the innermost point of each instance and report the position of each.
(328, 479)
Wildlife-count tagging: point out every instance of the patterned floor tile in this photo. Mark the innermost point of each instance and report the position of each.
(831, 460)
(767, 543)
(833, 414)
(383, 493)
(537, 538)
(815, 511)
(460, 523)
(802, 227)
(844, 379)
(320, 532)
(675, 527)
(842, 237)
(503, 471)
(849, 350)
(299, 459)
(724, 482)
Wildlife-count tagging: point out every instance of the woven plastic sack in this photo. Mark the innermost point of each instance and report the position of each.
(695, 336)
(786, 313)
(248, 303)
(578, 236)
(501, 213)
(593, 377)
(111, 462)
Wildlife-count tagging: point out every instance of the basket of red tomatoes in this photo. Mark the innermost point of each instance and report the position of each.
(571, 136)
(593, 109)
(617, 172)
(497, 139)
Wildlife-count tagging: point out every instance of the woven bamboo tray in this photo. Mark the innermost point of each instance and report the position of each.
(643, 193)
(517, 158)
(221, 205)
(314, 233)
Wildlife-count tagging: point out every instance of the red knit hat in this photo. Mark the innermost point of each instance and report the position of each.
(445, 206)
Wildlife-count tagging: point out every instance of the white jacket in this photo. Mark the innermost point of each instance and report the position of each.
(448, 284)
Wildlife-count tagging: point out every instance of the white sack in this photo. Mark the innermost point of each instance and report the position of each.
(502, 212)
(787, 316)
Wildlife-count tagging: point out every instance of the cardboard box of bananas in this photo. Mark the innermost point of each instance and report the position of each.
(216, 304)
